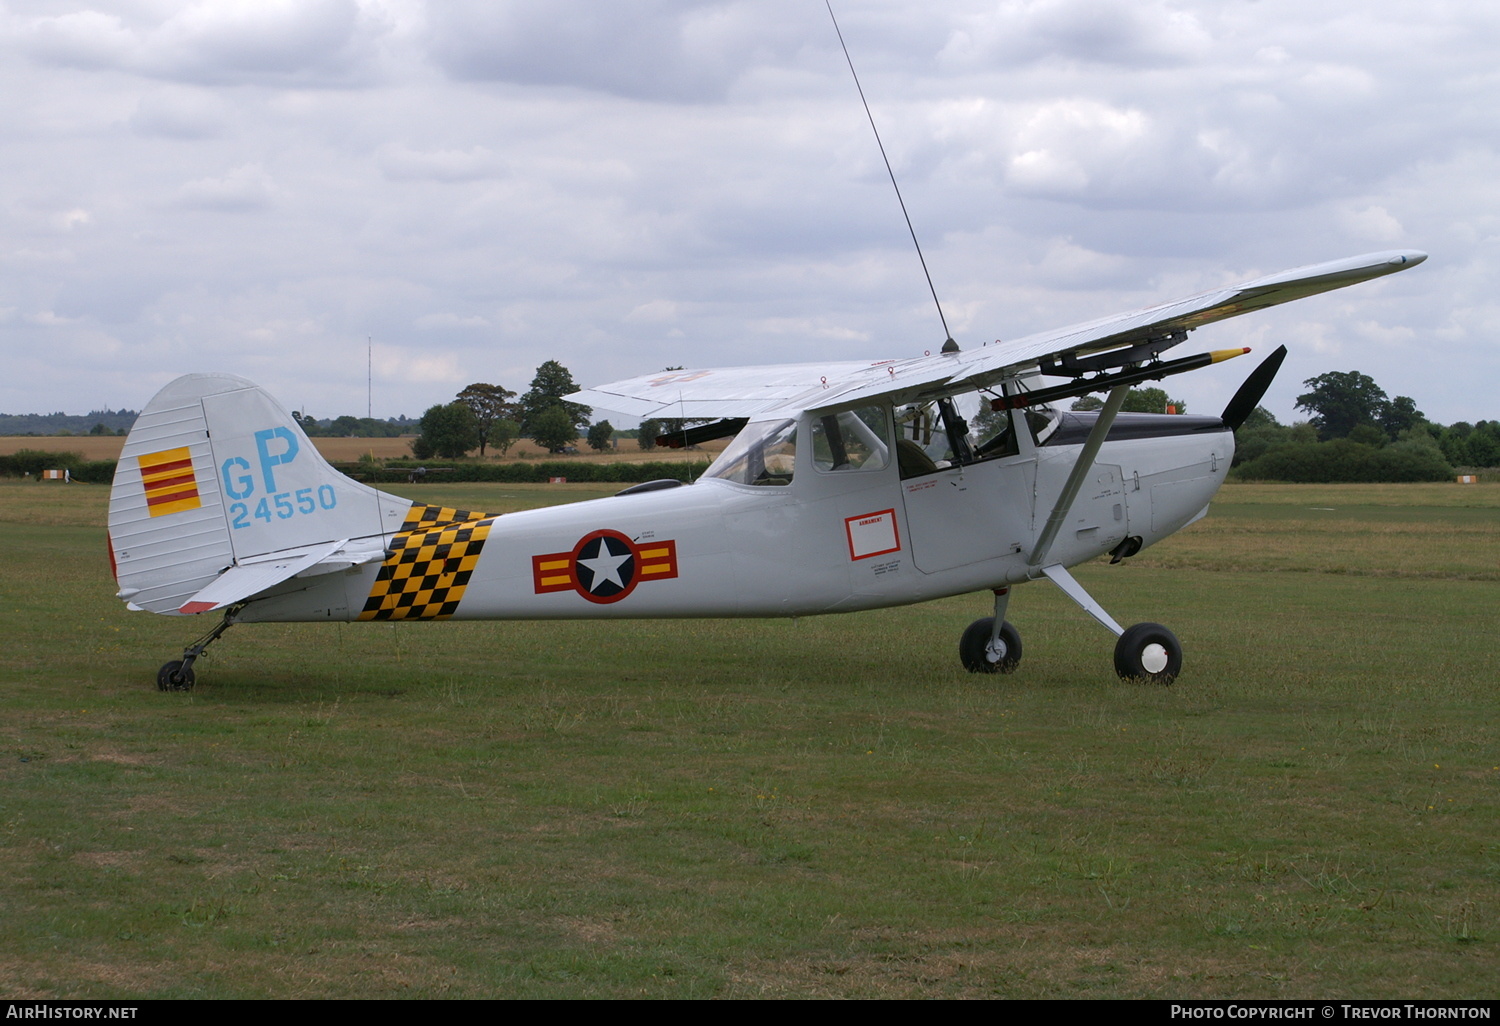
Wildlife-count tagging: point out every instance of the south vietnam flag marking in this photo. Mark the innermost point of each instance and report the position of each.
(169, 482)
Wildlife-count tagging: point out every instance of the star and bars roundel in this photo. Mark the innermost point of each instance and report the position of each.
(605, 566)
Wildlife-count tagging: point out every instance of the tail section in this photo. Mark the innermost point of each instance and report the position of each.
(217, 485)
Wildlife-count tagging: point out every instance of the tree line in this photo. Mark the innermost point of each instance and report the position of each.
(1356, 432)
(485, 415)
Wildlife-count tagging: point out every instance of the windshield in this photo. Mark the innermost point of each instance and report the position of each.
(762, 454)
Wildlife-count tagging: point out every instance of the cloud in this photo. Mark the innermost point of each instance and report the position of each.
(657, 311)
(488, 185)
(403, 164)
(1373, 223)
(448, 321)
(214, 41)
(80, 39)
(245, 188)
(1132, 35)
(659, 50)
(180, 113)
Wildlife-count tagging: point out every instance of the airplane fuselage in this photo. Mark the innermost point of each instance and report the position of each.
(827, 541)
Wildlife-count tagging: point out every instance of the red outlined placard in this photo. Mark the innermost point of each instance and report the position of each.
(872, 534)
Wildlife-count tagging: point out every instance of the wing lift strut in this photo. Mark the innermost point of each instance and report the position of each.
(1056, 572)
(1145, 651)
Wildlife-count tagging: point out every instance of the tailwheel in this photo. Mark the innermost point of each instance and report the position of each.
(984, 650)
(174, 676)
(1149, 653)
(178, 674)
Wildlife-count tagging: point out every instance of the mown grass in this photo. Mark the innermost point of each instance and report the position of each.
(825, 807)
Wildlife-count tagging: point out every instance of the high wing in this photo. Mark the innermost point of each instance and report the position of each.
(1111, 341)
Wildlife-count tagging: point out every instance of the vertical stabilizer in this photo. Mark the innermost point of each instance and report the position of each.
(216, 473)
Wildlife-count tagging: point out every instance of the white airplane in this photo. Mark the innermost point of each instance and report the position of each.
(847, 486)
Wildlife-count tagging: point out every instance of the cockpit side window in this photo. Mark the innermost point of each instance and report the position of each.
(764, 453)
(993, 432)
(937, 435)
(855, 440)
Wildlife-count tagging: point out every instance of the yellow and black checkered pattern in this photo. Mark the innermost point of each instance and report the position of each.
(431, 560)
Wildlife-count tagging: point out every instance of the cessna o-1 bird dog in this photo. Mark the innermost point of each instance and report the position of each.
(847, 486)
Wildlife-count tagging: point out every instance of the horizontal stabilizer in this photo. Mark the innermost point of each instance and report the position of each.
(241, 582)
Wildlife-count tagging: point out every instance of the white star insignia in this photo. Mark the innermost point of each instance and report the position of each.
(606, 566)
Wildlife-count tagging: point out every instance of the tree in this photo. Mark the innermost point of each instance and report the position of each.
(646, 436)
(1484, 444)
(1137, 400)
(503, 433)
(1398, 415)
(554, 429)
(1340, 401)
(1259, 434)
(446, 431)
(1151, 400)
(600, 435)
(988, 420)
(552, 382)
(490, 403)
(1260, 417)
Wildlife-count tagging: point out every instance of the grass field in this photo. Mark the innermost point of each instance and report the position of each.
(826, 807)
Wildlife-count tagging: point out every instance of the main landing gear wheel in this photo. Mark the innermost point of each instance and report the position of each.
(981, 652)
(1148, 653)
(174, 677)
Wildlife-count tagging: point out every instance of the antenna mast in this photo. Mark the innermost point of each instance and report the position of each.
(949, 345)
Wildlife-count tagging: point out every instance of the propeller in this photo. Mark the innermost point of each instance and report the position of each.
(1248, 397)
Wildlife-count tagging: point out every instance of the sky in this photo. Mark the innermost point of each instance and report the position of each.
(372, 203)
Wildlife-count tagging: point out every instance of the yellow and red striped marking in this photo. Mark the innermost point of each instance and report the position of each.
(170, 484)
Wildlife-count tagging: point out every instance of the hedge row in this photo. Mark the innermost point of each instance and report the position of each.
(31, 462)
(523, 471)
(1344, 461)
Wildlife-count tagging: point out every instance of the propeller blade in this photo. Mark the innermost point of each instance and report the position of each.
(1248, 397)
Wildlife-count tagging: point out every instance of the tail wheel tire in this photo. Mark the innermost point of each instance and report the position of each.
(174, 677)
(981, 653)
(1149, 653)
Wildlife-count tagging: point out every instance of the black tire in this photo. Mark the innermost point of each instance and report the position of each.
(173, 677)
(975, 653)
(1149, 653)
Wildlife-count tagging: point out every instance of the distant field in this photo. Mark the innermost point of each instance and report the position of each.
(336, 450)
(826, 807)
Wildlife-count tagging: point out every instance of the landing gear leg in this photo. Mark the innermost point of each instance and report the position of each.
(178, 674)
(991, 645)
(1146, 652)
